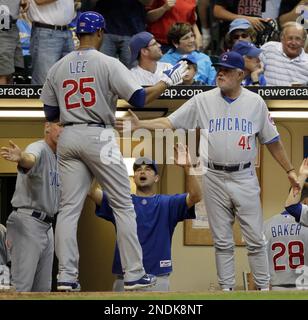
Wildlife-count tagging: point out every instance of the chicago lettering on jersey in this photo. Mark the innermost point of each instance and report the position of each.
(292, 229)
(78, 66)
(230, 124)
(54, 178)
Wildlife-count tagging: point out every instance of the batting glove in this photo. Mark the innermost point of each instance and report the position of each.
(176, 74)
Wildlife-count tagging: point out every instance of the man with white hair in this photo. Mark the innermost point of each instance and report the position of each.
(286, 62)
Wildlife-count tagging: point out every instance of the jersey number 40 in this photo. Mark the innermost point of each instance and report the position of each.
(80, 87)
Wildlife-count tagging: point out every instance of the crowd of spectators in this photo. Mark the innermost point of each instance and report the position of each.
(272, 36)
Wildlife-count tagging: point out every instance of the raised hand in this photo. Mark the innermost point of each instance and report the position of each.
(122, 124)
(169, 4)
(181, 155)
(294, 182)
(12, 153)
(303, 170)
(176, 74)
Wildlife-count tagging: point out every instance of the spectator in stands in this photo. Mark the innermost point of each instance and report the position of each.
(239, 29)
(51, 38)
(253, 68)
(230, 10)
(124, 18)
(290, 10)
(10, 48)
(146, 50)
(189, 80)
(182, 39)
(162, 14)
(286, 62)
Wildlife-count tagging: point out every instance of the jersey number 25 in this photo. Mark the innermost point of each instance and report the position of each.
(87, 93)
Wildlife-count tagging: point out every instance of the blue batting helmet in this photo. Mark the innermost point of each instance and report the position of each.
(90, 22)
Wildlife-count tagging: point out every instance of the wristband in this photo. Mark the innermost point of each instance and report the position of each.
(290, 170)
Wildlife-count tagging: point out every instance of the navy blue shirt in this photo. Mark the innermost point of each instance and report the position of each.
(156, 217)
(123, 17)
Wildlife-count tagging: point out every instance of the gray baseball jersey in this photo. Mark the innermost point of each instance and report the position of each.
(287, 243)
(88, 92)
(85, 85)
(304, 215)
(231, 130)
(38, 188)
(4, 259)
(30, 240)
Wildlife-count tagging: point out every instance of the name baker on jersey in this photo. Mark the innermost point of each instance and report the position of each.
(286, 230)
(230, 124)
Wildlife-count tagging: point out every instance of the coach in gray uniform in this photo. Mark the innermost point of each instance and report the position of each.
(35, 202)
(232, 118)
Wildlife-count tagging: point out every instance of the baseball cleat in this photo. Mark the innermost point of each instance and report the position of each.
(148, 280)
(68, 286)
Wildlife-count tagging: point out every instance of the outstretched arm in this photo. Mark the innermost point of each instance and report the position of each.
(14, 154)
(134, 123)
(182, 159)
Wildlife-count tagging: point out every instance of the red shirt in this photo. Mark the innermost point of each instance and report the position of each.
(182, 11)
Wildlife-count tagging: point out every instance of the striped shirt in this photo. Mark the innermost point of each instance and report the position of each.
(279, 69)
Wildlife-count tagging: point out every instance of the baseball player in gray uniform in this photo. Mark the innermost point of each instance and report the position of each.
(35, 202)
(296, 205)
(4, 261)
(3, 249)
(231, 119)
(82, 89)
(288, 240)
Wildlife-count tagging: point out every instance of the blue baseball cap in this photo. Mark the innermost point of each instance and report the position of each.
(231, 60)
(189, 58)
(239, 23)
(137, 42)
(143, 160)
(245, 48)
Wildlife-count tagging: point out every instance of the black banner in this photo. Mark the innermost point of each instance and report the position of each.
(172, 93)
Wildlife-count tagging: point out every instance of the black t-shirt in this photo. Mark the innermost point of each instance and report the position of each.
(287, 6)
(252, 8)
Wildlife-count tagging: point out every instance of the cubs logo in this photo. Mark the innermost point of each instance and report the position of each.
(224, 57)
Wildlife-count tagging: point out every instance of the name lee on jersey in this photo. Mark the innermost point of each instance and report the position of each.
(78, 66)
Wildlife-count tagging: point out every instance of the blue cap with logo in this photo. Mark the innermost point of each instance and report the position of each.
(245, 48)
(239, 23)
(143, 160)
(189, 58)
(231, 60)
(137, 42)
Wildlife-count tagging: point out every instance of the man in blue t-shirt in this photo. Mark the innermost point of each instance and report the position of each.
(157, 216)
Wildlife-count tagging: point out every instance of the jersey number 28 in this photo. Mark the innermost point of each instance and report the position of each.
(295, 251)
(88, 94)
